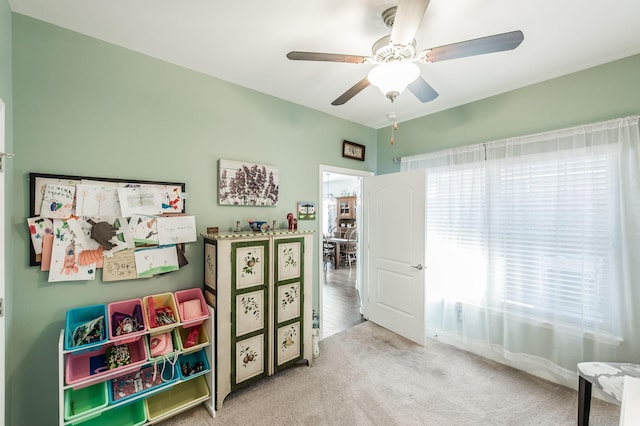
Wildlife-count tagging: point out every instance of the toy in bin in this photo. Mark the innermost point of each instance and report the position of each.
(189, 370)
(89, 332)
(138, 382)
(192, 337)
(118, 356)
(160, 316)
(125, 324)
(161, 344)
(192, 308)
(164, 316)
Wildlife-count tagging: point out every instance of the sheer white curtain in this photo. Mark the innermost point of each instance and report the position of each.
(533, 245)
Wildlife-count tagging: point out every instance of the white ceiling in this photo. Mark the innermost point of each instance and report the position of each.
(245, 42)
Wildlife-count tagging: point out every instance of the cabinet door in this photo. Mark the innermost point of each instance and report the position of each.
(249, 311)
(210, 270)
(346, 207)
(288, 307)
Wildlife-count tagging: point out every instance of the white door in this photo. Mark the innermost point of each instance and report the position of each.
(396, 235)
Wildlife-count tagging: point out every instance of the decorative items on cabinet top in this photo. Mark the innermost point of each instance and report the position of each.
(257, 225)
(231, 235)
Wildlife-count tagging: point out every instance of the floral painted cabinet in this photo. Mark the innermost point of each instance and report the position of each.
(259, 285)
(249, 310)
(289, 293)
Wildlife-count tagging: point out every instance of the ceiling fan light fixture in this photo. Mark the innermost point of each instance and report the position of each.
(393, 77)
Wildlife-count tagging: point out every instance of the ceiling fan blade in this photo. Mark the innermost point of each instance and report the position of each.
(327, 57)
(478, 46)
(354, 90)
(407, 21)
(422, 90)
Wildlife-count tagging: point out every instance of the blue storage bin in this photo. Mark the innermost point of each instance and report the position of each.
(193, 364)
(81, 324)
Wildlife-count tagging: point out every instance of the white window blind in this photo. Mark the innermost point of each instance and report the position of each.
(532, 246)
(531, 236)
(552, 223)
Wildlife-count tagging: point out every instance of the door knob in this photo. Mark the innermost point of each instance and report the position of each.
(419, 267)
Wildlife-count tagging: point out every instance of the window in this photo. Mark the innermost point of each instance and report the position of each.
(531, 235)
(532, 246)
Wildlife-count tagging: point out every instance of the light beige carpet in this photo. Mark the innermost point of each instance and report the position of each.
(369, 376)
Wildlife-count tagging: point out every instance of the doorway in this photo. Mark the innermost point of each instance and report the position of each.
(340, 280)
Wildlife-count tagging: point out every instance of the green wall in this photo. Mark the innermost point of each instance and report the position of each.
(597, 94)
(6, 96)
(84, 107)
(5, 53)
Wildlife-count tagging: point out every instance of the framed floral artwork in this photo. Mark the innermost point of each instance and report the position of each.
(247, 184)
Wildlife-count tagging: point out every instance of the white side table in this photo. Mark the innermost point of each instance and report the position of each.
(608, 377)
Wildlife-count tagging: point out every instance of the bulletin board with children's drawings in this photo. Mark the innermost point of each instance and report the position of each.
(128, 228)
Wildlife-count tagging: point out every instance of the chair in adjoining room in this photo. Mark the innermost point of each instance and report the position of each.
(350, 251)
(608, 377)
(328, 252)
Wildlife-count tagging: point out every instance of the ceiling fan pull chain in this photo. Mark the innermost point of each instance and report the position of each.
(394, 127)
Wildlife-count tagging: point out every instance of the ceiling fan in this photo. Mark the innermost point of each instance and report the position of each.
(395, 55)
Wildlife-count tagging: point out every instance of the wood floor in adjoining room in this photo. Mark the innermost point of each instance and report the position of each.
(340, 300)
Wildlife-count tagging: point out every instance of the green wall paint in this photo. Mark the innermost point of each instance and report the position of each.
(85, 107)
(597, 94)
(6, 92)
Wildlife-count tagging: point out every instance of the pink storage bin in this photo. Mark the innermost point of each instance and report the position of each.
(78, 367)
(165, 300)
(127, 308)
(192, 307)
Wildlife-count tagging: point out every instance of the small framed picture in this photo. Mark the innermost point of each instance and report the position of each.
(353, 150)
(306, 210)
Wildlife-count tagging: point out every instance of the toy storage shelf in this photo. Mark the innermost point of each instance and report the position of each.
(152, 406)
